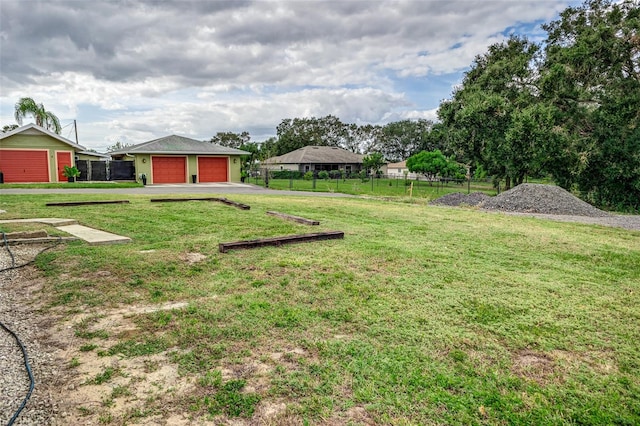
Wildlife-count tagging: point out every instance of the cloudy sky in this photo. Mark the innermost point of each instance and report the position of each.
(135, 70)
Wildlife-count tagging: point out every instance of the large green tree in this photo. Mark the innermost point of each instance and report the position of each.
(399, 140)
(27, 106)
(231, 139)
(493, 119)
(591, 78)
(300, 132)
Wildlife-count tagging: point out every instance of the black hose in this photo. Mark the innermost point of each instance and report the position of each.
(28, 367)
(6, 244)
(15, 336)
(13, 265)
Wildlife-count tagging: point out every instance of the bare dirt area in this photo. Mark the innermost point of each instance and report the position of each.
(73, 385)
(77, 384)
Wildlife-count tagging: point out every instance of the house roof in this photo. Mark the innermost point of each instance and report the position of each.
(400, 165)
(178, 145)
(95, 154)
(317, 155)
(34, 129)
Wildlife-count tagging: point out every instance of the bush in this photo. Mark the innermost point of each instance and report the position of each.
(323, 175)
(335, 174)
(308, 176)
(286, 174)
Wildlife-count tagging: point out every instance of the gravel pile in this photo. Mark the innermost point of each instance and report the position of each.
(456, 199)
(544, 199)
(17, 314)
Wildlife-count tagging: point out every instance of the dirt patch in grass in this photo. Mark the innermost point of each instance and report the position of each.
(192, 258)
(535, 366)
(98, 387)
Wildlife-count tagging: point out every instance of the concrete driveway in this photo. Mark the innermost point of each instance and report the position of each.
(198, 188)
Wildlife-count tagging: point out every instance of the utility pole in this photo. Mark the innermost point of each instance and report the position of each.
(75, 126)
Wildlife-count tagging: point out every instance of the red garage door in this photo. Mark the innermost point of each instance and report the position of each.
(64, 159)
(169, 169)
(212, 169)
(24, 166)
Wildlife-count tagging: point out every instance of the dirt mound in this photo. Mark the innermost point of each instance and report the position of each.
(459, 199)
(545, 199)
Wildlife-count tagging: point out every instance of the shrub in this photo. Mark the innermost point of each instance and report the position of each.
(336, 174)
(323, 175)
(286, 174)
(308, 176)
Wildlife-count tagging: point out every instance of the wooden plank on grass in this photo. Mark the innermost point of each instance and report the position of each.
(218, 199)
(86, 203)
(233, 203)
(278, 241)
(298, 219)
(175, 200)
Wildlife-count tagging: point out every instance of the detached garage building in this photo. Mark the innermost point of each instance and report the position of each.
(34, 154)
(177, 159)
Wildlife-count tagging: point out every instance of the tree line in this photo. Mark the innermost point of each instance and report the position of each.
(395, 141)
(567, 108)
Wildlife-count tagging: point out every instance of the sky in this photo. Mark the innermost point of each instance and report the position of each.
(131, 71)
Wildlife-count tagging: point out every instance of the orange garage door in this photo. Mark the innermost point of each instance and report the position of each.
(212, 169)
(24, 166)
(169, 169)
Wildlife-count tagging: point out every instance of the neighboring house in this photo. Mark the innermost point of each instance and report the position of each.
(316, 158)
(177, 159)
(34, 154)
(400, 170)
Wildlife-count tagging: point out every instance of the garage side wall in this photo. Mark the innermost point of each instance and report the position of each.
(234, 168)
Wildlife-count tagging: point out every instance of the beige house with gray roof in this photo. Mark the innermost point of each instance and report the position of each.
(178, 159)
(315, 159)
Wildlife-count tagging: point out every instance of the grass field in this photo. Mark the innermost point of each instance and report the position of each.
(378, 187)
(421, 315)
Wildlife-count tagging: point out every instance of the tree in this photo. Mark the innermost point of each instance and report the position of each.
(231, 139)
(495, 96)
(400, 139)
(591, 79)
(249, 161)
(300, 132)
(373, 162)
(433, 164)
(118, 146)
(44, 118)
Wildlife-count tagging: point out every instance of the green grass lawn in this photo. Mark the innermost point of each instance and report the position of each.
(421, 315)
(377, 187)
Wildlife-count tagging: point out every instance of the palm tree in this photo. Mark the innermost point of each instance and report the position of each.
(44, 118)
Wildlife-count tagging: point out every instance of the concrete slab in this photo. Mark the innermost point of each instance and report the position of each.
(70, 226)
(93, 236)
